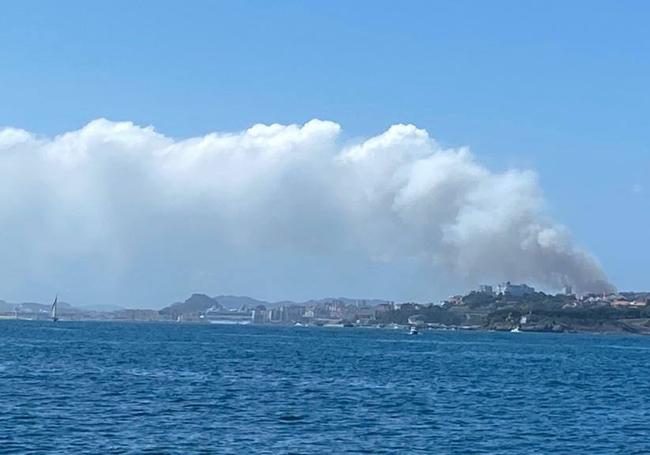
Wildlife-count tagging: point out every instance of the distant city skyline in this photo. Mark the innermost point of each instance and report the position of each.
(555, 93)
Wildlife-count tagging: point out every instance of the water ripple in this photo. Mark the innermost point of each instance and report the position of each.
(155, 388)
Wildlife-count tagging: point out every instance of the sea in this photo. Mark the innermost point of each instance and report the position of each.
(149, 388)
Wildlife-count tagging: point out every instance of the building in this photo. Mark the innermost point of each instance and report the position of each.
(275, 315)
(260, 315)
(486, 289)
(515, 290)
(383, 307)
(291, 313)
(454, 300)
(228, 317)
(362, 315)
(629, 304)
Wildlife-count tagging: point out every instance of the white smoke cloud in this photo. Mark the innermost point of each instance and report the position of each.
(114, 205)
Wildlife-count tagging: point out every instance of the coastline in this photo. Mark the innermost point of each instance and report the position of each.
(611, 329)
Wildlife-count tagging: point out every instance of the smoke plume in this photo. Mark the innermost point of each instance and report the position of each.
(115, 203)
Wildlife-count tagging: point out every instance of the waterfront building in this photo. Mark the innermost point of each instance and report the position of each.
(291, 313)
(515, 290)
(228, 317)
(364, 313)
(259, 315)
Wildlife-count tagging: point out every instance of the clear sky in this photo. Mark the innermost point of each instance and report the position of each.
(561, 88)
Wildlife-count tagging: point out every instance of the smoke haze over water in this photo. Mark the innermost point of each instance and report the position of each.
(117, 206)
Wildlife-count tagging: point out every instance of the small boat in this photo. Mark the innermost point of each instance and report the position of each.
(55, 309)
(413, 331)
(516, 330)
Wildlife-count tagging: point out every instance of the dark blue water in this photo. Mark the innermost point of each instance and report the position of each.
(154, 388)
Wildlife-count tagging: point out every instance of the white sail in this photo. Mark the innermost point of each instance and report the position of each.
(55, 309)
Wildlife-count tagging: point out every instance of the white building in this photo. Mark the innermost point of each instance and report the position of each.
(515, 290)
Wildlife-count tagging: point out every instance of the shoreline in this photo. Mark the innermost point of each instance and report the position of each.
(400, 329)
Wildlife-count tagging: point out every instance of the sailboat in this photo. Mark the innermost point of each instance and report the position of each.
(55, 309)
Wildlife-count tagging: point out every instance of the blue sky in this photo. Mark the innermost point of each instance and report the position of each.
(557, 87)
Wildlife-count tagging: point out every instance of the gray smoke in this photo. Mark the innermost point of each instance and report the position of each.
(114, 194)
